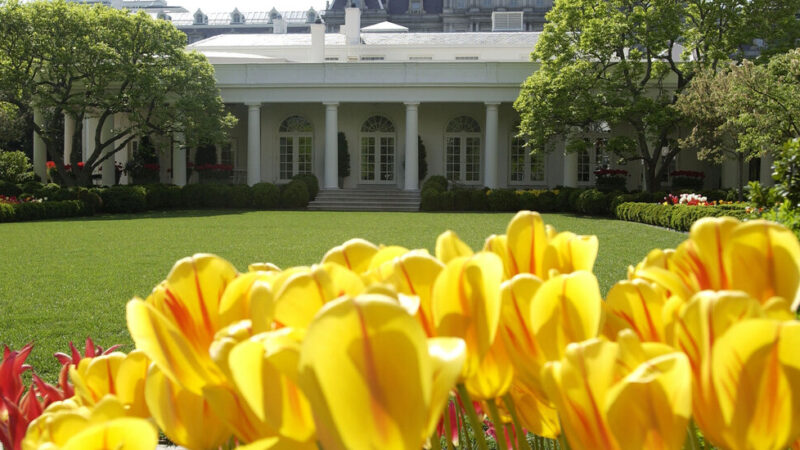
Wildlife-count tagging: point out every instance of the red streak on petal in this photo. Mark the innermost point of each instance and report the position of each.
(377, 401)
(203, 309)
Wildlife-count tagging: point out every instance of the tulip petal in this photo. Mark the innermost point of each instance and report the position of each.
(636, 305)
(415, 274)
(527, 241)
(354, 254)
(123, 434)
(535, 413)
(449, 247)
(494, 375)
(568, 252)
(185, 417)
(517, 332)
(447, 356)
(365, 368)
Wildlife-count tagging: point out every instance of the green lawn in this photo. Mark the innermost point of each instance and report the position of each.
(65, 280)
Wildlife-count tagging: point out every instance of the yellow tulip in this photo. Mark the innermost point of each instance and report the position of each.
(68, 425)
(621, 395)
(637, 305)
(249, 296)
(494, 375)
(175, 326)
(414, 274)
(449, 246)
(372, 376)
(498, 244)
(536, 413)
(116, 374)
(301, 292)
(185, 417)
(355, 255)
(380, 266)
(757, 257)
(527, 241)
(756, 375)
(277, 443)
(466, 304)
(264, 370)
(568, 252)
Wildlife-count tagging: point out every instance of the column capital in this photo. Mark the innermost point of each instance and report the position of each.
(253, 105)
(331, 104)
(411, 104)
(492, 104)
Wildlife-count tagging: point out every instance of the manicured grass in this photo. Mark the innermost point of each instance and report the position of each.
(65, 280)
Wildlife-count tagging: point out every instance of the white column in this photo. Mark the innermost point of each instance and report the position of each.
(253, 143)
(490, 176)
(412, 146)
(179, 159)
(570, 169)
(331, 146)
(108, 169)
(39, 149)
(69, 133)
(765, 177)
(89, 130)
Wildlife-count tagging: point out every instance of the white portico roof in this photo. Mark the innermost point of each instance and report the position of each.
(493, 39)
(385, 27)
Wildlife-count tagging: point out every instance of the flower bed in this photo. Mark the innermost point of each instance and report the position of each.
(386, 347)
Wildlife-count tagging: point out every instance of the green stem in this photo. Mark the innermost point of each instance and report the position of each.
(499, 428)
(692, 443)
(477, 427)
(448, 432)
(522, 443)
(435, 444)
(562, 441)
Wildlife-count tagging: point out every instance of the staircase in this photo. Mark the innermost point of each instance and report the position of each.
(365, 199)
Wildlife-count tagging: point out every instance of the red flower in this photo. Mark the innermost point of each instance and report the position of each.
(687, 174)
(80, 164)
(51, 164)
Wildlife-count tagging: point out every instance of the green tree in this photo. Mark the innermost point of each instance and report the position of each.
(66, 58)
(623, 63)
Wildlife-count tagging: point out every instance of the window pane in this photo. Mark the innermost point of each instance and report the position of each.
(583, 166)
(537, 167)
(367, 158)
(286, 158)
(304, 155)
(517, 168)
(387, 158)
(453, 158)
(472, 169)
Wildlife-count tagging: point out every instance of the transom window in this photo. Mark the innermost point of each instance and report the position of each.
(377, 159)
(463, 150)
(295, 142)
(525, 168)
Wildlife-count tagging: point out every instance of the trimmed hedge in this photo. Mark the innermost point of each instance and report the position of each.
(677, 217)
(44, 210)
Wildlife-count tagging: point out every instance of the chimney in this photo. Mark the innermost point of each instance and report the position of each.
(352, 25)
(318, 42)
(279, 25)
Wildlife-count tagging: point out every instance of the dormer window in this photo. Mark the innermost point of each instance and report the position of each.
(311, 16)
(274, 15)
(415, 6)
(237, 17)
(200, 18)
(164, 16)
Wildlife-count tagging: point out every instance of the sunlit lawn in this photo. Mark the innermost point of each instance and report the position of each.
(65, 280)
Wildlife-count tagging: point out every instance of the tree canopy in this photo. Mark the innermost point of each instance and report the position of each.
(70, 59)
(625, 62)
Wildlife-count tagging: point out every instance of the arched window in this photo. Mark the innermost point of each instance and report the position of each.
(524, 168)
(295, 142)
(462, 143)
(377, 150)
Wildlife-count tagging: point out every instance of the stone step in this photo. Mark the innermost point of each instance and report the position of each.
(365, 200)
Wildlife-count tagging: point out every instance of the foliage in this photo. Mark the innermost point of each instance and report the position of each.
(294, 194)
(611, 179)
(677, 217)
(786, 214)
(614, 69)
(15, 167)
(423, 159)
(124, 199)
(437, 182)
(266, 196)
(343, 158)
(116, 63)
(761, 196)
(787, 172)
(11, 125)
(26, 211)
(311, 182)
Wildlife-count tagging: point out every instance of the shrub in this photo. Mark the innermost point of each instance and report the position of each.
(15, 167)
(430, 199)
(294, 195)
(503, 200)
(241, 196)
(479, 200)
(163, 196)
(678, 217)
(32, 188)
(44, 210)
(192, 195)
(205, 195)
(448, 200)
(9, 189)
(312, 184)
(7, 213)
(593, 202)
(462, 199)
(437, 182)
(124, 199)
(91, 200)
(266, 196)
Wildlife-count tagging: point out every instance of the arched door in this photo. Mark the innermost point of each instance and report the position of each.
(295, 144)
(377, 148)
